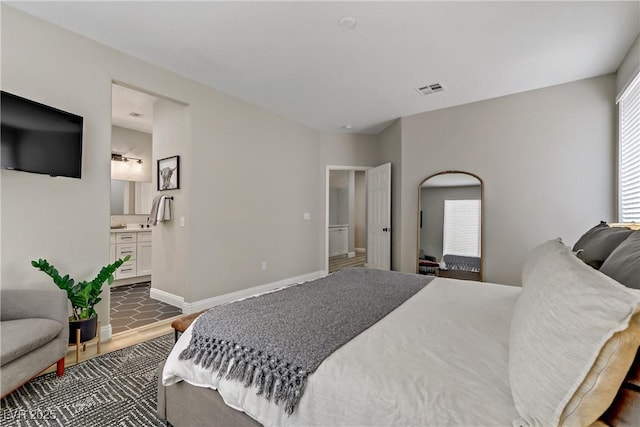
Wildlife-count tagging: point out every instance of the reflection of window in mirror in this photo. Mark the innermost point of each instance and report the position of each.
(461, 228)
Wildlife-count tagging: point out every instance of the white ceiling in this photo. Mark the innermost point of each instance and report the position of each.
(292, 58)
(125, 101)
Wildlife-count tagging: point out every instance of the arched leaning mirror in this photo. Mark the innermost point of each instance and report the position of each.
(450, 226)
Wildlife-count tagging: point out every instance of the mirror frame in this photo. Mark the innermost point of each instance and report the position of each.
(448, 172)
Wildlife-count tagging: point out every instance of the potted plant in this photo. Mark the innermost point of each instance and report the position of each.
(83, 296)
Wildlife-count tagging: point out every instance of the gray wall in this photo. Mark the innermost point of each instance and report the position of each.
(338, 206)
(629, 67)
(247, 175)
(171, 255)
(432, 205)
(347, 204)
(62, 219)
(360, 211)
(342, 149)
(546, 158)
(338, 197)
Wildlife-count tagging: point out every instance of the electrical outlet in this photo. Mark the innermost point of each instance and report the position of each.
(181, 221)
(306, 216)
(264, 265)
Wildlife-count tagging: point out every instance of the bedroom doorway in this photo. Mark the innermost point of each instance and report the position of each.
(348, 213)
(132, 190)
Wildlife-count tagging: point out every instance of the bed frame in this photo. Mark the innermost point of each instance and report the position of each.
(185, 405)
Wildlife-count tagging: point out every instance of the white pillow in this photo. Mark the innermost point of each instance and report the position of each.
(573, 337)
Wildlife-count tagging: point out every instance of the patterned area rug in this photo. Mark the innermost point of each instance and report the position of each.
(114, 389)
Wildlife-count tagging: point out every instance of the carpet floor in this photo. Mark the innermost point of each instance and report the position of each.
(114, 389)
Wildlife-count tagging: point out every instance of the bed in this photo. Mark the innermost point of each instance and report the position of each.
(455, 353)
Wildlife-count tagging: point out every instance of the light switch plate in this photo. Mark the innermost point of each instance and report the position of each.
(181, 221)
(307, 216)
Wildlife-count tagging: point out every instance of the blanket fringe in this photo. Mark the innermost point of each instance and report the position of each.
(271, 377)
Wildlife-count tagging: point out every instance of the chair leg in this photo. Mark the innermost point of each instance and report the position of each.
(60, 367)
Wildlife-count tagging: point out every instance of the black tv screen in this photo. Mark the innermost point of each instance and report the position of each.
(39, 139)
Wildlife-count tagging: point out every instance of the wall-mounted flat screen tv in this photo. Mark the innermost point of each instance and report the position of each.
(39, 139)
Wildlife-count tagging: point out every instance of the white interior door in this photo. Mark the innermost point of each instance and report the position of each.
(379, 217)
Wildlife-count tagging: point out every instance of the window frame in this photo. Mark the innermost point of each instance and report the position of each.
(630, 89)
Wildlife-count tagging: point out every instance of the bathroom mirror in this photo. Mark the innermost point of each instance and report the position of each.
(130, 197)
(450, 225)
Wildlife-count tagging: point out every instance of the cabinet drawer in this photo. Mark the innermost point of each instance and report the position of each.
(126, 270)
(144, 236)
(126, 237)
(123, 250)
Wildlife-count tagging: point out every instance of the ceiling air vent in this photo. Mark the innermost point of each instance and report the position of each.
(134, 114)
(431, 88)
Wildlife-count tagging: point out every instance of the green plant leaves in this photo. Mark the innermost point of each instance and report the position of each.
(83, 295)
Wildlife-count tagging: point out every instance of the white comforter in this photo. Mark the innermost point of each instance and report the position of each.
(439, 359)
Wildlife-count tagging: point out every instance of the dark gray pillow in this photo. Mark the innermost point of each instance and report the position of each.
(588, 235)
(623, 264)
(599, 243)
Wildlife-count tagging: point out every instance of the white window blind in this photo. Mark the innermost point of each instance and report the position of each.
(629, 153)
(461, 231)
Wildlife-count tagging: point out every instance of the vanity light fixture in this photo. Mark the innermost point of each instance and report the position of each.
(115, 157)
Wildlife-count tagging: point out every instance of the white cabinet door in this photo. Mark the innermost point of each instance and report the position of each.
(333, 242)
(338, 240)
(144, 258)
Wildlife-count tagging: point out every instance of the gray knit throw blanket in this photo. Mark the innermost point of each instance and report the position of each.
(275, 340)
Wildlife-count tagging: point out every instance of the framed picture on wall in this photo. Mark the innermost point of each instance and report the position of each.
(169, 173)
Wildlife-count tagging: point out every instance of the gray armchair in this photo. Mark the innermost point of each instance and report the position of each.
(34, 334)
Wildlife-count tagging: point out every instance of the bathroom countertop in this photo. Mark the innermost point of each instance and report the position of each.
(129, 230)
(338, 225)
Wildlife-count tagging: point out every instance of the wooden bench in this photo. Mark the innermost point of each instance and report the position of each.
(181, 324)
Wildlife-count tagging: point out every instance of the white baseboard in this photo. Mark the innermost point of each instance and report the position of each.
(105, 332)
(360, 249)
(166, 297)
(351, 255)
(194, 307)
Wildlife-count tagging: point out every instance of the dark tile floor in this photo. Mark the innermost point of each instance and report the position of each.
(132, 307)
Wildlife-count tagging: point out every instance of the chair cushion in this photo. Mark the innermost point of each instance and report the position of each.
(19, 337)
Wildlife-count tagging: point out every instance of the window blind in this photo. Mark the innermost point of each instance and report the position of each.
(461, 228)
(629, 153)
